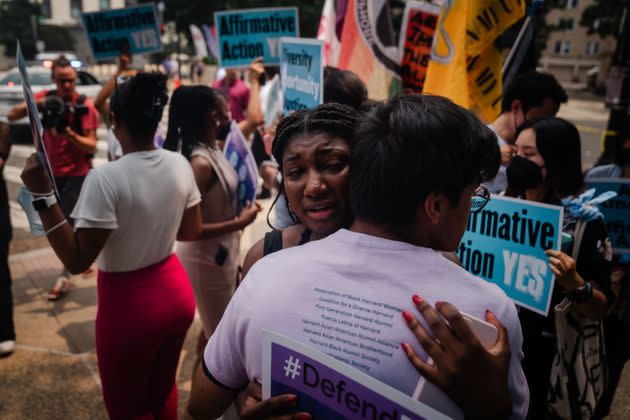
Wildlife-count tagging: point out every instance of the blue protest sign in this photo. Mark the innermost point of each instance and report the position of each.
(616, 211)
(135, 29)
(505, 244)
(250, 33)
(301, 73)
(37, 130)
(330, 389)
(237, 151)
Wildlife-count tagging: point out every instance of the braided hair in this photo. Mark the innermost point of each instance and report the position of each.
(330, 118)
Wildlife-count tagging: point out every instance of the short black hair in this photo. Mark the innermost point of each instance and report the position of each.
(413, 145)
(188, 117)
(139, 103)
(344, 87)
(532, 89)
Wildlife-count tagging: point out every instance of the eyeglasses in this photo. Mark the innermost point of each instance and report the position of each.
(479, 199)
(62, 81)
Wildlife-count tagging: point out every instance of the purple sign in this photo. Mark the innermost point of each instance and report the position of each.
(327, 388)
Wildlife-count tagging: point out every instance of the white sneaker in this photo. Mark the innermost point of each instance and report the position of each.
(62, 285)
(7, 347)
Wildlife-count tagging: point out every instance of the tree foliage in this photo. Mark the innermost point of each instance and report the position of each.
(15, 22)
(603, 17)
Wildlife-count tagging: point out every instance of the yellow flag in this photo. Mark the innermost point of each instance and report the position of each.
(465, 65)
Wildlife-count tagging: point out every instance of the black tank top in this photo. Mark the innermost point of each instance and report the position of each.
(273, 241)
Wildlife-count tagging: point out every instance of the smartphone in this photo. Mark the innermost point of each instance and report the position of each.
(487, 335)
(221, 256)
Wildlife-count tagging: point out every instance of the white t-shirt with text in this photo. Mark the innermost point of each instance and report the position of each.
(344, 295)
(141, 197)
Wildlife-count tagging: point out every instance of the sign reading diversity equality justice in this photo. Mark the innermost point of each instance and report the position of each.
(330, 389)
(616, 211)
(505, 244)
(247, 34)
(134, 28)
(416, 38)
(301, 73)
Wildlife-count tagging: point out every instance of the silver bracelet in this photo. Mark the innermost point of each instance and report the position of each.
(57, 226)
(48, 194)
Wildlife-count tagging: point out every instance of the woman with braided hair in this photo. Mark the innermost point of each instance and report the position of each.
(312, 148)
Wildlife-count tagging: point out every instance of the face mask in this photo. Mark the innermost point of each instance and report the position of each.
(223, 131)
(625, 156)
(523, 174)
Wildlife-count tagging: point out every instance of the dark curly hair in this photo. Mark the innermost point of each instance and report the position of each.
(330, 118)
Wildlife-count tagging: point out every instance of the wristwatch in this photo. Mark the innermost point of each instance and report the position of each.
(582, 294)
(46, 202)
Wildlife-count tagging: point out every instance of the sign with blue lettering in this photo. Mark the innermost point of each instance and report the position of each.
(329, 389)
(505, 244)
(251, 33)
(135, 29)
(616, 211)
(301, 73)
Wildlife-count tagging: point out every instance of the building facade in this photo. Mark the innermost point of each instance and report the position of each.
(572, 55)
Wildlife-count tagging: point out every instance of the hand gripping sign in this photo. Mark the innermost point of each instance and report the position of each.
(505, 244)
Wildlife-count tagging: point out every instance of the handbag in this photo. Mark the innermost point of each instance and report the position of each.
(579, 373)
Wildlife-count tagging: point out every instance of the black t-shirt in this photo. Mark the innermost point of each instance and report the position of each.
(593, 265)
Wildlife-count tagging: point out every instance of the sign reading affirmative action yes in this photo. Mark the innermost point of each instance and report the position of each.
(505, 244)
(244, 35)
(134, 29)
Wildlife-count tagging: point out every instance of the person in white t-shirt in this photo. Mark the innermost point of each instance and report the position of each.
(128, 215)
(530, 95)
(416, 164)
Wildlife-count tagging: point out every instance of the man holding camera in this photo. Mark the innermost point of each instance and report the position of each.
(70, 121)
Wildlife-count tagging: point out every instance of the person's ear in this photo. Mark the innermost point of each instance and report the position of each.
(434, 206)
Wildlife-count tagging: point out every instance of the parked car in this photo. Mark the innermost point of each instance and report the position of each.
(46, 58)
(11, 92)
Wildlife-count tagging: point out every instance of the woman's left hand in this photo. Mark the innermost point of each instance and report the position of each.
(563, 267)
(34, 177)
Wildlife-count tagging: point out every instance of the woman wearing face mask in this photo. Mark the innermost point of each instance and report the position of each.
(617, 323)
(199, 116)
(547, 169)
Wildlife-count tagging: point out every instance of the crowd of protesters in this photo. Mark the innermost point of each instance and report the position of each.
(372, 198)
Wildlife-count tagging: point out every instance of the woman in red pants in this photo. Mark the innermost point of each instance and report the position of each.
(128, 215)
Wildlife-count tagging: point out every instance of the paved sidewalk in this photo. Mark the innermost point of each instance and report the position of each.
(53, 373)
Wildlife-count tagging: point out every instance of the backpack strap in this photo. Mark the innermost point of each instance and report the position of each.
(580, 227)
(273, 242)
